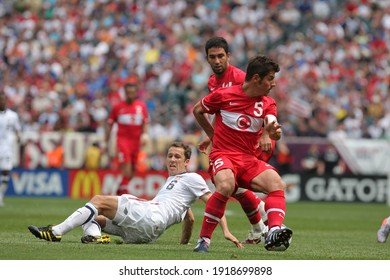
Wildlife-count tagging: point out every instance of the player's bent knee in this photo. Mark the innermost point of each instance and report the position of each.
(97, 200)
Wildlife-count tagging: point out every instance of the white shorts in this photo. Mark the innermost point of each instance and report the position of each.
(5, 162)
(137, 220)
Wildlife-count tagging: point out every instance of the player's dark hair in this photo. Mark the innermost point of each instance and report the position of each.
(261, 65)
(185, 147)
(216, 42)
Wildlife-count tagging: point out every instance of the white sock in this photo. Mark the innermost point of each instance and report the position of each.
(262, 225)
(92, 228)
(259, 227)
(79, 217)
(263, 214)
(206, 239)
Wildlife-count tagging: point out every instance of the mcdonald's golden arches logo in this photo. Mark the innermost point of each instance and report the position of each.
(85, 184)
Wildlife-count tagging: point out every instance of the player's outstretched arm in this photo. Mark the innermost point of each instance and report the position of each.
(187, 227)
(223, 224)
(227, 234)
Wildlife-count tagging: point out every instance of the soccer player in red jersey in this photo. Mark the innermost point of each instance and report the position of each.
(131, 117)
(226, 75)
(240, 113)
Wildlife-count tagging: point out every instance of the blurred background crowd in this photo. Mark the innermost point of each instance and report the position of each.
(63, 62)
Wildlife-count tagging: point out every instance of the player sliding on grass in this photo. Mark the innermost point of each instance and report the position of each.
(137, 220)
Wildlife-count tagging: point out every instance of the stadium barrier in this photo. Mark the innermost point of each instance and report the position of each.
(83, 184)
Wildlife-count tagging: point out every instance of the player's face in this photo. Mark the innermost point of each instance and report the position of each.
(265, 85)
(176, 162)
(131, 93)
(218, 60)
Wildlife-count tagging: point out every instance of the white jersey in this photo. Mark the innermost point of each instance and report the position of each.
(177, 195)
(142, 221)
(9, 124)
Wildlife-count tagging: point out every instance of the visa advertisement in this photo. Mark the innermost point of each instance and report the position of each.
(43, 182)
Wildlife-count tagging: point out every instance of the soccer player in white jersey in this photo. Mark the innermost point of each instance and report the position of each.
(138, 220)
(9, 128)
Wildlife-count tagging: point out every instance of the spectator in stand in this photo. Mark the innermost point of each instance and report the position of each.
(330, 162)
(283, 158)
(99, 115)
(310, 162)
(45, 51)
(92, 156)
(132, 121)
(55, 156)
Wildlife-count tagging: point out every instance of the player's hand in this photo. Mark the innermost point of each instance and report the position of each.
(204, 145)
(274, 130)
(265, 142)
(233, 239)
(145, 139)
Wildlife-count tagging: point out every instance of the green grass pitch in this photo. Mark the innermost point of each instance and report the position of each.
(322, 231)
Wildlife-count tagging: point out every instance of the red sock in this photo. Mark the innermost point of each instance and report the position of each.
(215, 208)
(275, 206)
(123, 186)
(250, 204)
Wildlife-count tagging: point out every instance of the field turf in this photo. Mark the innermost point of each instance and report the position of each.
(322, 231)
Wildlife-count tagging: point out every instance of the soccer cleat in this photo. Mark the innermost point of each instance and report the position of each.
(383, 232)
(278, 240)
(45, 233)
(90, 239)
(202, 246)
(254, 238)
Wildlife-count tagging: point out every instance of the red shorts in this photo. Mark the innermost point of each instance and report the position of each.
(265, 156)
(127, 152)
(245, 167)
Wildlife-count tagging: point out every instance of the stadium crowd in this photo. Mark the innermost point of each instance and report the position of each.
(63, 62)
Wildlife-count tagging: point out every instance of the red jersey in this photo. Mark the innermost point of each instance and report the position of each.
(130, 119)
(232, 76)
(238, 118)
